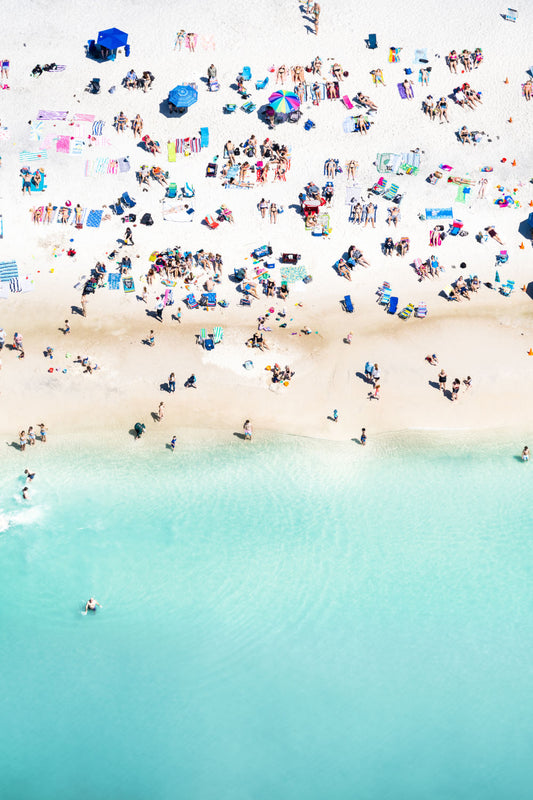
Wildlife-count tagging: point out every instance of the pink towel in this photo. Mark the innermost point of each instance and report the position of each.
(63, 144)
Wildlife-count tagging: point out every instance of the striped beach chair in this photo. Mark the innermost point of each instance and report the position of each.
(218, 334)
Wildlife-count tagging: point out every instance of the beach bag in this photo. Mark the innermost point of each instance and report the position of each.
(146, 219)
(308, 279)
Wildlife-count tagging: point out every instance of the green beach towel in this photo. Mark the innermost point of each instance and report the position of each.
(460, 195)
(171, 147)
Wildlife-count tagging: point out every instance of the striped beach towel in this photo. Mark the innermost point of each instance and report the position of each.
(98, 127)
(28, 155)
(83, 117)
(112, 167)
(52, 115)
(97, 166)
(14, 285)
(8, 270)
(100, 141)
(94, 219)
(196, 145)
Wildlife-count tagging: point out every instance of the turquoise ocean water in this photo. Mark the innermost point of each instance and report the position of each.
(288, 619)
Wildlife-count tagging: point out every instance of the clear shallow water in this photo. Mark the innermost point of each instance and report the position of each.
(290, 619)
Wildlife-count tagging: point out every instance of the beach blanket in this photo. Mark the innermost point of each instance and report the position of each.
(8, 270)
(171, 149)
(128, 283)
(63, 144)
(4, 291)
(461, 194)
(353, 195)
(36, 130)
(77, 146)
(175, 211)
(27, 155)
(98, 127)
(94, 218)
(113, 280)
(293, 273)
(52, 115)
(348, 125)
(124, 164)
(439, 213)
(401, 90)
(83, 117)
(421, 56)
(99, 141)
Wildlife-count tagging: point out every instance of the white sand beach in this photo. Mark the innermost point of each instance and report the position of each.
(486, 336)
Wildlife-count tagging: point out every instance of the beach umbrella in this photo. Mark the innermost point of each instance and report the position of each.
(183, 96)
(112, 38)
(284, 102)
(497, 277)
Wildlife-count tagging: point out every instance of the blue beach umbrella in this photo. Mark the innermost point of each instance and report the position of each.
(183, 96)
(112, 38)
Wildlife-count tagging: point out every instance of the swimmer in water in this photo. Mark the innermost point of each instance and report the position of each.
(29, 475)
(525, 453)
(25, 493)
(91, 604)
(173, 443)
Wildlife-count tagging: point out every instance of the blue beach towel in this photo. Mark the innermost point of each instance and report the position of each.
(439, 213)
(421, 56)
(8, 270)
(94, 219)
(113, 280)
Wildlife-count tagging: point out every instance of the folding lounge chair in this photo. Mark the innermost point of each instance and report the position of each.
(384, 300)
(457, 226)
(248, 107)
(379, 187)
(246, 73)
(210, 299)
(127, 200)
(229, 108)
(348, 305)
(507, 288)
(511, 15)
(372, 41)
(116, 208)
(211, 171)
(211, 223)
(191, 301)
(449, 292)
(421, 310)
(391, 192)
(218, 334)
(209, 344)
(172, 190)
(393, 305)
(308, 125)
(261, 84)
(187, 191)
(406, 312)
(202, 337)
(347, 102)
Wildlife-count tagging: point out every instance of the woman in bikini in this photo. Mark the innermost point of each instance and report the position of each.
(48, 213)
(281, 73)
(528, 89)
(336, 71)
(78, 211)
(466, 60)
(357, 213)
(137, 126)
(317, 66)
(273, 213)
(452, 60)
(180, 38)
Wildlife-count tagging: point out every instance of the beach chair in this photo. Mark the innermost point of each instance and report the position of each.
(209, 344)
(211, 223)
(229, 108)
(261, 84)
(391, 192)
(127, 200)
(507, 288)
(117, 208)
(218, 334)
(372, 41)
(502, 257)
(421, 310)
(261, 252)
(210, 299)
(202, 337)
(449, 292)
(393, 305)
(187, 191)
(246, 73)
(384, 300)
(309, 124)
(172, 190)
(248, 107)
(406, 312)
(380, 186)
(456, 227)
(347, 102)
(191, 301)
(245, 301)
(204, 137)
(211, 171)
(511, 15)
(348, 305)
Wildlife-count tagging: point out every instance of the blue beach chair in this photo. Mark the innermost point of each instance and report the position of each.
(393, 305)
(372, 41)
(261, 84)
(127, 200)
(246, 73)
(348, 305)
(191, 301)
(172, 190)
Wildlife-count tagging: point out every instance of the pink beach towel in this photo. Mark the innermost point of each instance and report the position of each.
(63, 144)
(83, 117)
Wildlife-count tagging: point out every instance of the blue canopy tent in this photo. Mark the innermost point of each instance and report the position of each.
(108, 43)
(182, 96)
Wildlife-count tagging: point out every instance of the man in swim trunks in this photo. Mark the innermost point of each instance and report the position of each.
(91, 604)
(139, 429)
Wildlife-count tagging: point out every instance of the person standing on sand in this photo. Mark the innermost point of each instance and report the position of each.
(42, 432)
(173, 443)
(161, 411)
(171, 382)
(247, 428)
(362, 438)
(84, 305)
(335, 415)
(159, 308)
(22, 441)
(455, 389)
(442, 381)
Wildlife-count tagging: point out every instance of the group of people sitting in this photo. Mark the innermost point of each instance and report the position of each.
(466, 96)
(280, 375)
(363, 213)
(173, 264)
(401, 247)
(463, 288)
(145, 173)
(466, 59)
(355, 259)
(427, 269)
(132, 80)
(272, 155)
(466, 137)
(257, 340)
